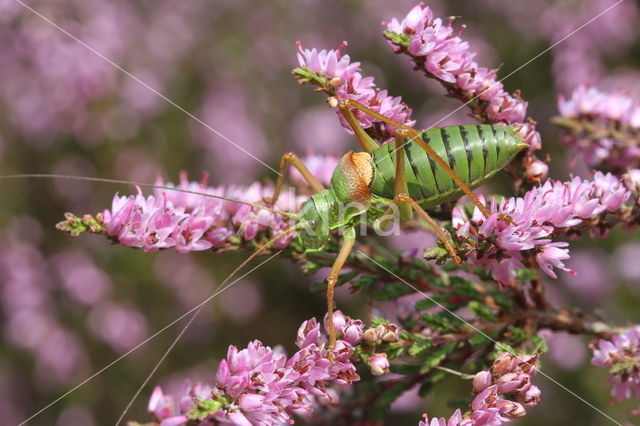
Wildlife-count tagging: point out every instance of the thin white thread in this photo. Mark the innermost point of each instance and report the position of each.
(127, 73)
(88, 379)
(490, 338)
(141, 184)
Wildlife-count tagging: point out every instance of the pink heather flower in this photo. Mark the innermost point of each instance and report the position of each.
(437, 49)
(536, 171)
(171, 409)
(510, 374)
(347, 83)
(379, 364)
(259, 386)
(190, 222)
(455, 420)
(481, 381)
(620, 355)
(347, 329)
(386, 332)
(537, 218)
(603, 127)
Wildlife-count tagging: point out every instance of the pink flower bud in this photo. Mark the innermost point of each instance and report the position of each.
(527, 363)
(250, 401)
(512, 409)
(481, 381)
(632, 180)
(223, 374)
(308, 333)
(530, 396)
(503, 364)
(391, 333)
(339, 321)
(175, 421)
(238, 419)
(371, 335)
(353, 332)
(379, 364)
(236, 385)
(511, 382)
(156, 399)
(536, 171)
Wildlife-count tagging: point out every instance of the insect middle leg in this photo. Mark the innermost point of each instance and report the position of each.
(441, 233)
(345, 104)
(403, 200)
(294, 160)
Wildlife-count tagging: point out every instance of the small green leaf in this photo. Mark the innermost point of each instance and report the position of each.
(376, 321)
(399, 39)
(430, 302)
(518, 335)
(436, 356)
(526, 274)
(540, 344)
(465, 288)
(478, 340)
(419, 347)
(482, 311)
(442, 321)
(503, 347)
(204, 408)
(393, 290)
(503, 301)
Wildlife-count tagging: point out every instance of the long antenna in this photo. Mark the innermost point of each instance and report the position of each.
(142, 184)
(220, 289)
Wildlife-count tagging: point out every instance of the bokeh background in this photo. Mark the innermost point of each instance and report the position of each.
(68, 306)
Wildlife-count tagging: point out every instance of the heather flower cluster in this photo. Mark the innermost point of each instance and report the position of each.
(190, 222)
(603, 127)
(437, 49)
(262, 386)
(537, 217)
(621, 355)
(501, 394)
(339, 77)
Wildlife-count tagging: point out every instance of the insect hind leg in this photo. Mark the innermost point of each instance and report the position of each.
(414, 136)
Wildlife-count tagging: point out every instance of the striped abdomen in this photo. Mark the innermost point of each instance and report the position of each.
(474, 152)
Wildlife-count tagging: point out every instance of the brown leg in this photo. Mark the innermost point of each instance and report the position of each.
(292, 158)
(442, 234)
(366, 142)
(413, 134)
(348, 240)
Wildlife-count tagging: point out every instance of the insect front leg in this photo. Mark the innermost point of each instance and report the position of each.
(294, 160)
(348, 240)
(366, 142)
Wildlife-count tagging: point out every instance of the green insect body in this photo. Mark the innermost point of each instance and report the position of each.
(474, 152)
